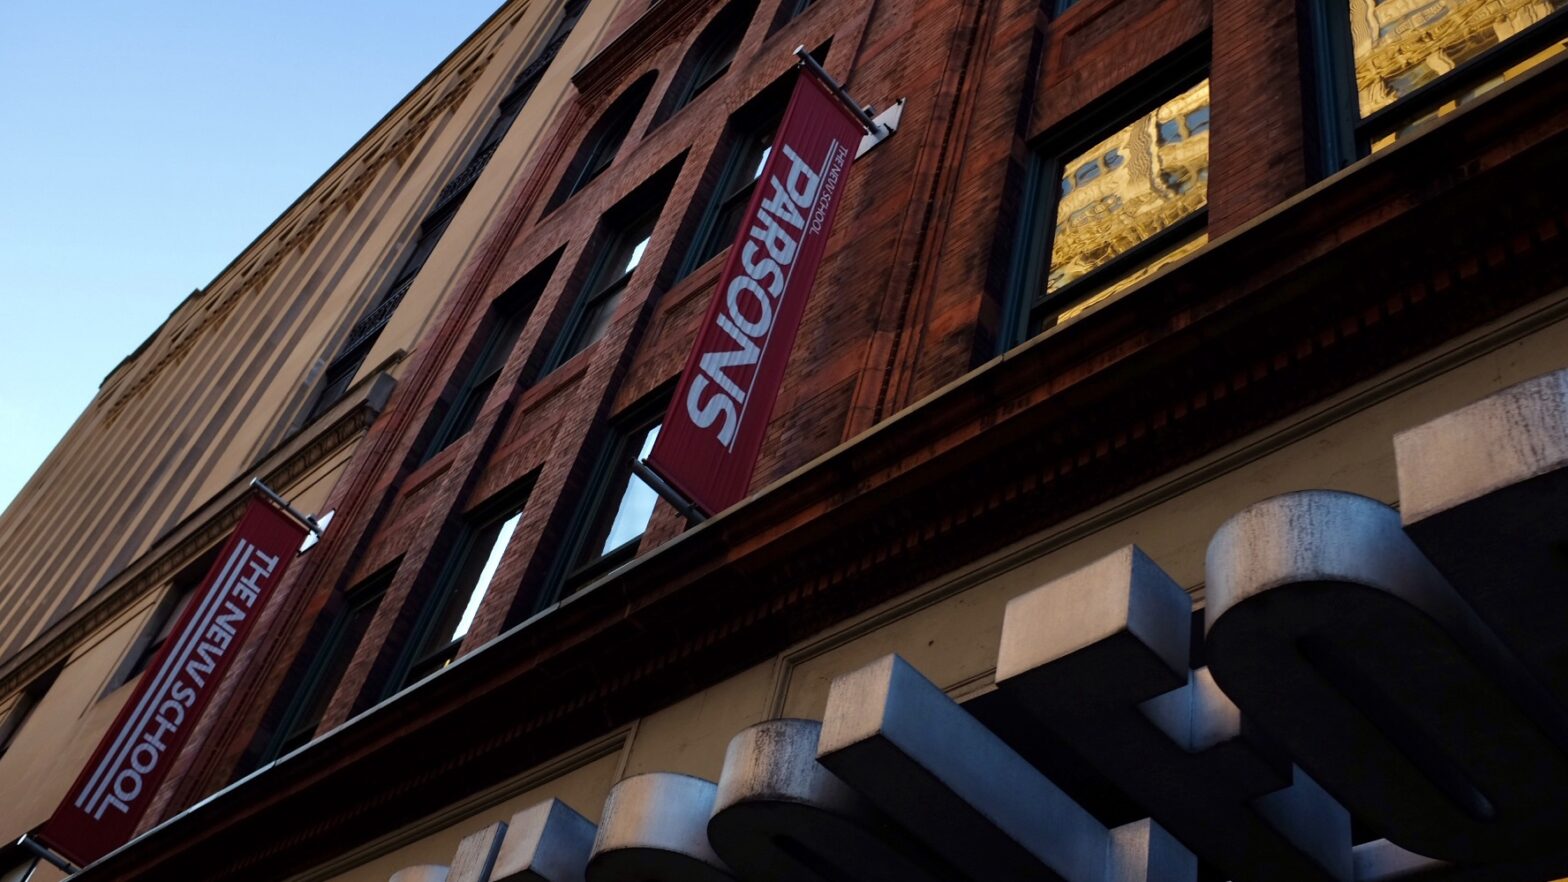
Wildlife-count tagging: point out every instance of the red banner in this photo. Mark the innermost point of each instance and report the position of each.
(102, 809)
(708, 444)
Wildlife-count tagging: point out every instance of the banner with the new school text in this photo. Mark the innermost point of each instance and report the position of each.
(103, 808)
(707, 446)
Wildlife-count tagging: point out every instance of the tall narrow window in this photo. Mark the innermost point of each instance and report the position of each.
(1399, 67)
(343, 637)
(621, 255)
(476, 559)
(604, 140)
(181, 589)
(1123, 206)
(508, 316)
(751, 143)
(339, 375)
(621, 504)
(711, 55)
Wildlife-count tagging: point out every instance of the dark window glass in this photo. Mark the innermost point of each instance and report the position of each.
(1126, 206)
(181, 590)
(22, 710)
(332, 660)
(621, 508)
(477, 556)
(733, 195)
(339, 375)
(509, 316)
(624, 246)
(604, 139)
(713, 51)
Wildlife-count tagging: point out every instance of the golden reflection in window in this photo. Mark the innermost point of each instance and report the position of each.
(1401, 45)
(1133, 278)
(1131, 186)
(1468, 95)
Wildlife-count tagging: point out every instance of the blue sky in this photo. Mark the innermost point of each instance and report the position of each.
(143, 145)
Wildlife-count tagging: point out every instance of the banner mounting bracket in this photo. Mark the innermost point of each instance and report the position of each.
(877, 127)
(669, 494)
(305, 519)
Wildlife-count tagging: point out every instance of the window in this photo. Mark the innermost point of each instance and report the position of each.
(508, 316)
(181, 590)
(711, 54)
(622, 504)
(22, 710)
(749, 153)
(1120, 207)
(623, 250)
(342, 639)
(604, 139)
(340, 373)
(1388, 70)
(476, 557)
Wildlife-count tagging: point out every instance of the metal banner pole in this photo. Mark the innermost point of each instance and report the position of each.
(867, 121)
(658, 485)
(42, 851)
(282, 503)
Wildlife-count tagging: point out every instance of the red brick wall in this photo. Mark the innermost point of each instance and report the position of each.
(907, 300)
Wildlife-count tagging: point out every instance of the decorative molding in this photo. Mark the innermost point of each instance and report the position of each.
(265, 257)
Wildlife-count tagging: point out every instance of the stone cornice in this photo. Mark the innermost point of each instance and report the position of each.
(202, 529)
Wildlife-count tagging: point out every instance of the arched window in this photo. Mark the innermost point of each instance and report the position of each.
(604, 140)
(710, 57)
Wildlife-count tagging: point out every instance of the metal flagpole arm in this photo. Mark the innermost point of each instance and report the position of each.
(877, 127)
(307, 520)
(670, 494)
(38, 849)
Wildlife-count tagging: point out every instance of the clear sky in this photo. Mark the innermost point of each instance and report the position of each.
(143, 145)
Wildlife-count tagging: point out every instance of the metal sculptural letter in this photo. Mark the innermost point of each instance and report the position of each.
(1335, 634)
(1495, 526)
(947, 779)
(1100, 658)
(781, 817)
(655, 827)
(547, 842)
(103, 808)
(709, 441)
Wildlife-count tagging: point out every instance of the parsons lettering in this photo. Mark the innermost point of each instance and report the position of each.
(717, 395)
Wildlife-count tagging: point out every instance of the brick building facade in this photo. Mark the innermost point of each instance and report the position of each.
(1059, 315)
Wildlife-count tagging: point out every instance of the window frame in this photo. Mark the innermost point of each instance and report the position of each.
(358, 600)
(705, 245)
(507, 318)
(616, 242)
(604, 140)
(421, 652)
(1036, 234)
(593, 519)
(1339, 135)
(176, 598)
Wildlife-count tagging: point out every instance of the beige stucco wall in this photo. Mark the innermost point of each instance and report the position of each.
(233, 371)
(950, 629)
(126, 473)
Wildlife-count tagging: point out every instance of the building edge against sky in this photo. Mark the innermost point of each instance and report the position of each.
(1129, 271)
(273, 370)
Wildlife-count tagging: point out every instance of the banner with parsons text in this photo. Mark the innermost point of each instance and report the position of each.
(708, 444)
(103, 808)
